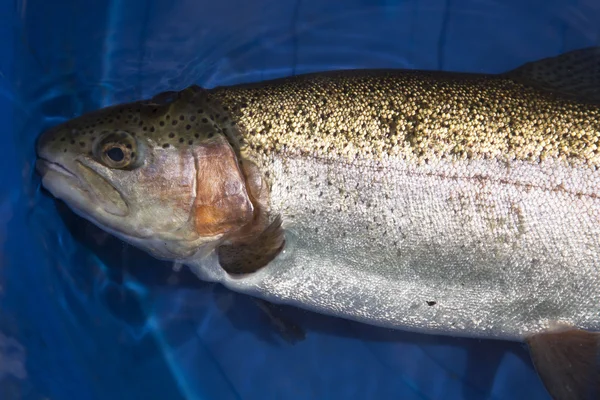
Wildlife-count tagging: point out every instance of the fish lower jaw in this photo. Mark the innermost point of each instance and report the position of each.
(66, 187)
(44, 166)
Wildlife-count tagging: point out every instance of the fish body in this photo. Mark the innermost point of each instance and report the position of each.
(448, 203)
(445, 203)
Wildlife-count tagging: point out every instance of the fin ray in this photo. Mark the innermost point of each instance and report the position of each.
(567, 362)
(250, 257)
(575, 73)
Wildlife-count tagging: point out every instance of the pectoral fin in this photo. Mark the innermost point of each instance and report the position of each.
(576, 73)
(255, 254)
(568, 363)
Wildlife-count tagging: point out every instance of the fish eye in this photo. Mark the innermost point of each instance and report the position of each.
(115, 154)
(117, 150)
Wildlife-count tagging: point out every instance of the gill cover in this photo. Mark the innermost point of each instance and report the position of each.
(232, 196)
(231, 192)
(222, 202)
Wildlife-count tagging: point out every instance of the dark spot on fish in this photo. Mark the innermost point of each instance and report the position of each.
(188, 127)
(145, 128)
(174, 122)
(166, 146)
(181, 117)
(171, 135)
(431, 303)
(72, 142)
(190, 142)
(205, 120)
(140, 123)
(168, 117)
(196, 135)
(62, 139)
(128, 146)
(162, 123)
(181, 140)
(200, 111)
(193, 118)
(132, 154)
(81, 144)
(64, 150)
(211, 134)
(151, 129)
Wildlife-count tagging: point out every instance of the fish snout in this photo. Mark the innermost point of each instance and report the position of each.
(50, 151)
(43, 142)
(47, 143)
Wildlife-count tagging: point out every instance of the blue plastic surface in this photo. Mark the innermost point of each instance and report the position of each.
(83, 316)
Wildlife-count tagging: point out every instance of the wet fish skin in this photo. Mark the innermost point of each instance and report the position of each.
(459, 204)
(399, 189)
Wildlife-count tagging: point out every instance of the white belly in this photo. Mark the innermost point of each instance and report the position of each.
(483, 249)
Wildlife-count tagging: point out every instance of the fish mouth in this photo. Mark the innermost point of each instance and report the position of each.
(43, 166)
(54, 173)
(63, 184)
(76, 188)
(82, 188)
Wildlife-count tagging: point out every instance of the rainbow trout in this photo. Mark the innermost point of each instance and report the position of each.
(447, 203)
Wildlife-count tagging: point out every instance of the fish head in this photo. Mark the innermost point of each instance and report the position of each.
(161, 174)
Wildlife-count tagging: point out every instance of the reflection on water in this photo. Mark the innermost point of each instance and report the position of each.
(100, 319)
(12, 358)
